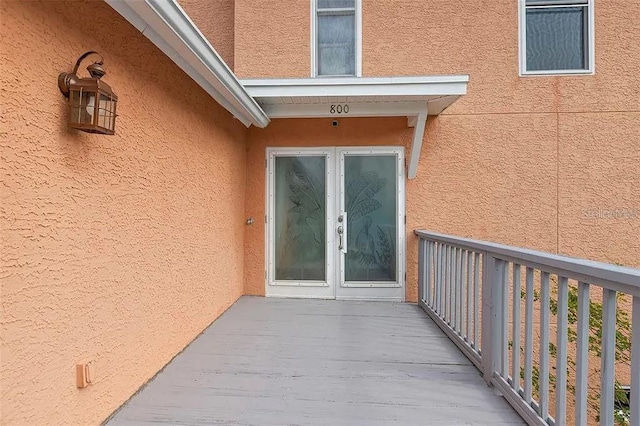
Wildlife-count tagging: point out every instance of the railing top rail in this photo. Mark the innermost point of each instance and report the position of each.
(587, 270)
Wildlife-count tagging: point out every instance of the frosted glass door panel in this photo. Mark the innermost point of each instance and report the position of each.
(370, 200)
(300, 218)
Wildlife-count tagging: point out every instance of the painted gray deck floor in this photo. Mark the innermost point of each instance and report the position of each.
(308, 362)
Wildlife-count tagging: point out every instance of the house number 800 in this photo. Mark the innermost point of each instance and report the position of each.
(339, 109)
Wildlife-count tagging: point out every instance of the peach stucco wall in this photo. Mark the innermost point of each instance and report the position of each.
(308, 133)
(116, 250)
(543, 162)
(512, 178)
(272, 38)
(215, 19)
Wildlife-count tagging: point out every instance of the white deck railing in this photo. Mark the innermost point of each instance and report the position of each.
(479, 293)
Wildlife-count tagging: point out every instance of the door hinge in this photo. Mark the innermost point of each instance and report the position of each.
(265, 163)
(265, 275)
(265, 218)
(405, 219)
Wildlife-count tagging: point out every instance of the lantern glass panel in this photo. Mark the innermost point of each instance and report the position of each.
(105, 112)
(83, 108)
(76, 110)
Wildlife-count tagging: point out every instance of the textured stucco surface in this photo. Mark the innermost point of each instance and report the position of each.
(538, 162)
(406, 37)
(116, 250)
(119, 250)
(215, 19)
(520, 179)
(308, 133)
(599, 186)
(272, 38)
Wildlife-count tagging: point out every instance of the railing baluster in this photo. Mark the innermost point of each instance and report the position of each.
(432, 274)
(561, 353)
(422, 284)
(582, 355)
(434, 293)
(476, 296)
(447, 289)
(427, 281)
(528, 337)
(460, 293)
(454, 290)
(468, 259)
(504, 320)
(443, 278)
(439, 282)
(452, 256)
(544, 346)
(607, 370)
(515, 372)
(634, 401)
(447, 274)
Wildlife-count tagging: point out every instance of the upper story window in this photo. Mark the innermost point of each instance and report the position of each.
(336, 38)
(556, 37)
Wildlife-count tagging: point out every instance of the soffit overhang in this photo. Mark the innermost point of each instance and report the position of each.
(411, 97)
(392, 96)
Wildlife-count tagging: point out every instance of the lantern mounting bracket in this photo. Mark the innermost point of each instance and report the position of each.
(65, 79)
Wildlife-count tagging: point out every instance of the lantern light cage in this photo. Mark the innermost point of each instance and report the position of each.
(92, 102)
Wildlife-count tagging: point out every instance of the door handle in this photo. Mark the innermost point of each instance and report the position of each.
(342, 232)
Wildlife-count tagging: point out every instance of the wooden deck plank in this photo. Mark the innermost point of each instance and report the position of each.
(309, 362)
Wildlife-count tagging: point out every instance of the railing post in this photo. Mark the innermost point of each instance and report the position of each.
(487, 316)
(608, 363)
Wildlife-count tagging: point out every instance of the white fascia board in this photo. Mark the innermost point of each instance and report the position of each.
(376, 86)
(356, 81)
(169, 27)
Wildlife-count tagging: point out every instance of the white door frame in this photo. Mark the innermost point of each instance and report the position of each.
(323, 290)
(334, 258)
(380, 290)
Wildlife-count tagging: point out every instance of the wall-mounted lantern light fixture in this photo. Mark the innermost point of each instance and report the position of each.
(92, 102)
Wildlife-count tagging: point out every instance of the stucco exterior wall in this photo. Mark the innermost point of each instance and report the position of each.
(273, 38)
(307, 133)
(540, 162)
(519, 179)
(116, 250)
(215, 19)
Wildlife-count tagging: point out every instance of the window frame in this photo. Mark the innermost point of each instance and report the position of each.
(522, 39)
(314, 42)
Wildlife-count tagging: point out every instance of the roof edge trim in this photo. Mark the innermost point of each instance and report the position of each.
(356, 81)
(167, 25)
(361, 86)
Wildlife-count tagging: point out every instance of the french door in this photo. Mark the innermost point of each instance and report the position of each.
(335, 223)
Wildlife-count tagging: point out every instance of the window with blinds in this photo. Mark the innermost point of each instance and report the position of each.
(556, 36)
(335, 37)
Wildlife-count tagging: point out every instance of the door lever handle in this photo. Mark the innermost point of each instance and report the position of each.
(342, 232)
